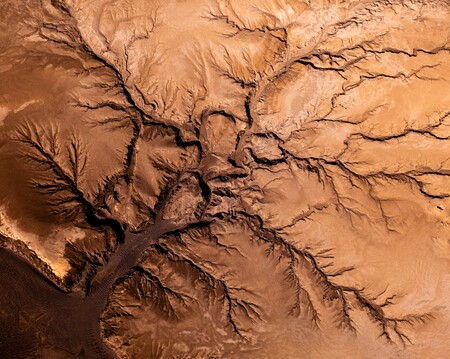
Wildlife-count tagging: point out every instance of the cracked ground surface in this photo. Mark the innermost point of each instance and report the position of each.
(224, 179)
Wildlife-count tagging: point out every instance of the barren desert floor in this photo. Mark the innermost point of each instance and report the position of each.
(207, 179)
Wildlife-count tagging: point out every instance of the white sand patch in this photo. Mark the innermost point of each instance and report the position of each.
(50, 249)
(4, 111)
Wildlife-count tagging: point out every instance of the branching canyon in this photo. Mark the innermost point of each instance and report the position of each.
(224, 179)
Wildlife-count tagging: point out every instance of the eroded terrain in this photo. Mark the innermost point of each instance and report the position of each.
(224, 179)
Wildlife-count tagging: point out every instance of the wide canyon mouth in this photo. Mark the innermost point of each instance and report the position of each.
(263, 179)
